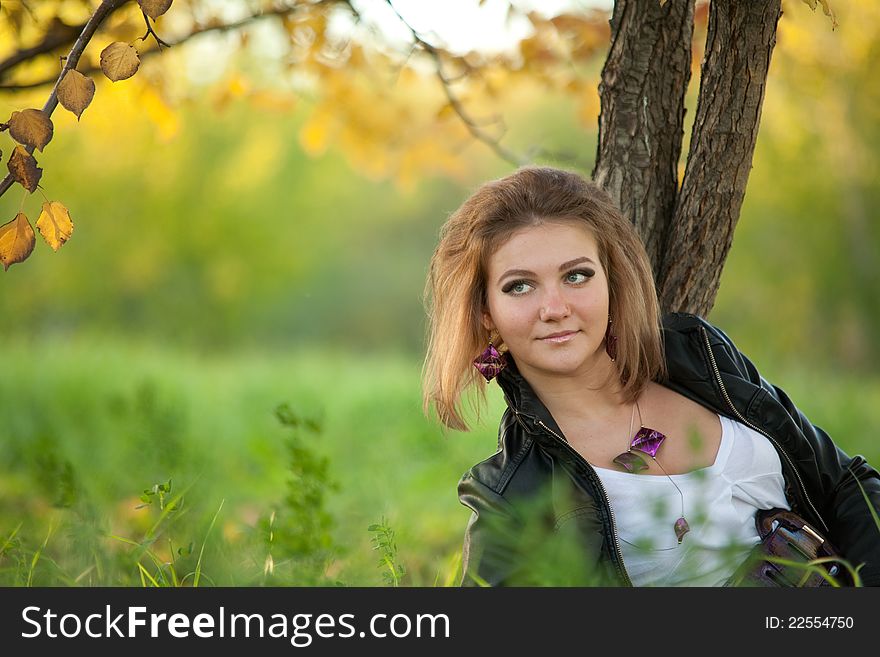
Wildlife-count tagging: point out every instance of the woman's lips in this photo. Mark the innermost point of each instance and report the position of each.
(560, 337)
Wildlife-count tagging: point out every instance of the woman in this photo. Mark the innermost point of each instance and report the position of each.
(651, 444)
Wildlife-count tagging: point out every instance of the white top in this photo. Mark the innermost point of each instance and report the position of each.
(720, 502)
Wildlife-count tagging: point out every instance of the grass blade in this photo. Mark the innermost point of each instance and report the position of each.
(204, 543)
(867, 500)
(11, 538)
(144, 573)
(144, 550)
(36, 558)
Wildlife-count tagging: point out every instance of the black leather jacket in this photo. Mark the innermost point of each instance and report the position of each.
(536, 470)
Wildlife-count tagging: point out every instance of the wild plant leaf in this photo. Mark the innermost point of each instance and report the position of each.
(31, 127)
(54, 224)
(17, 240)
(23, 167)
(75, 92)
(119, 61)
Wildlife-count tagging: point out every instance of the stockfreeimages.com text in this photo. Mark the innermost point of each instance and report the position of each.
(300, 629)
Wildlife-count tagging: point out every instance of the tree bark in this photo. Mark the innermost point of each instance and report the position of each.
(739, 44)
(641, 123)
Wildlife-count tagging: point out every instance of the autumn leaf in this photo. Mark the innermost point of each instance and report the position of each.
(75, 92)
(55, 224)
(23, 167)
(31, 127)
(119, 61)
(826, 9)
(154, 8)
(17, 241)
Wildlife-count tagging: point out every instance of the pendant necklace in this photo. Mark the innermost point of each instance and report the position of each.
(648, 441)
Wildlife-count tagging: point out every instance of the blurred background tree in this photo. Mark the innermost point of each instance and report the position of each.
(402, 102)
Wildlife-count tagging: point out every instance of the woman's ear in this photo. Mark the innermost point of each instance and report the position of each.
(488, 324)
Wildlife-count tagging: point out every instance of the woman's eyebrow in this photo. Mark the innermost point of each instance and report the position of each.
(576, 261)
(526, 272)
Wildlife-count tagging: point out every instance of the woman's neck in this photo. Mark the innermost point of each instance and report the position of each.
(594, 394)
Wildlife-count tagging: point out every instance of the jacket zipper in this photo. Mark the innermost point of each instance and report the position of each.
(621, 568)
(758, 429)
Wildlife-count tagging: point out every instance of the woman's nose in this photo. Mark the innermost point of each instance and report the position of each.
(553, 306)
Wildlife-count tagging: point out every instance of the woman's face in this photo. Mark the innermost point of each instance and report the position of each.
(547, 297)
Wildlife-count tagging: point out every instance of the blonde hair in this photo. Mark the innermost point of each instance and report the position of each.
(455, 292)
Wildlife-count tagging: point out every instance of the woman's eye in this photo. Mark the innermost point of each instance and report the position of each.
(516, 287)
(578, 277)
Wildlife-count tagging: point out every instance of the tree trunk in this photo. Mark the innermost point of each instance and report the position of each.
(641, 124)
(687, 232)
(739, 44)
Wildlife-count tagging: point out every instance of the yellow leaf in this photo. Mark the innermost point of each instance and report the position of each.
(75, 92)
(826, 9)
(155, 8)
(119, 61)
(17, 240)
(24, 169)
(55, 224)
(31, 127)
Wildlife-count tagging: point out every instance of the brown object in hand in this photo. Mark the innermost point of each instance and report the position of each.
(786, 535)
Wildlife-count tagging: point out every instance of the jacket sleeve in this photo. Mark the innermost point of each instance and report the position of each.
(489, 555)
(853, 515)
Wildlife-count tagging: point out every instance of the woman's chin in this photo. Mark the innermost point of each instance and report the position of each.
(563, 366)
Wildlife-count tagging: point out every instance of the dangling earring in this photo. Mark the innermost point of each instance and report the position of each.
(490, 362)
(610, 341)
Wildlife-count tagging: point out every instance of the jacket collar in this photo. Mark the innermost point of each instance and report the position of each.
(522, 399)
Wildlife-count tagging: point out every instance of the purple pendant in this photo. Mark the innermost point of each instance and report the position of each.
(647, 441)
(632, 462)
(489, 362)
(681, 528)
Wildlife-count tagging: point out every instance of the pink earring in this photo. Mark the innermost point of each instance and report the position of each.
(610, 342)
(490, 362)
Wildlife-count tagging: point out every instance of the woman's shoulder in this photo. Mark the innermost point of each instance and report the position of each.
(497, 470)
(686, 335)
(680, 322)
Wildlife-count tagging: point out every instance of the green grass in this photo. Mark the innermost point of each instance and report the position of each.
(89, 425)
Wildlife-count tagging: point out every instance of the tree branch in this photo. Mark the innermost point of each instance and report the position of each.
(472, 125)
(54, 39)
(150, 30)
(104, 9)
(147, 52)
